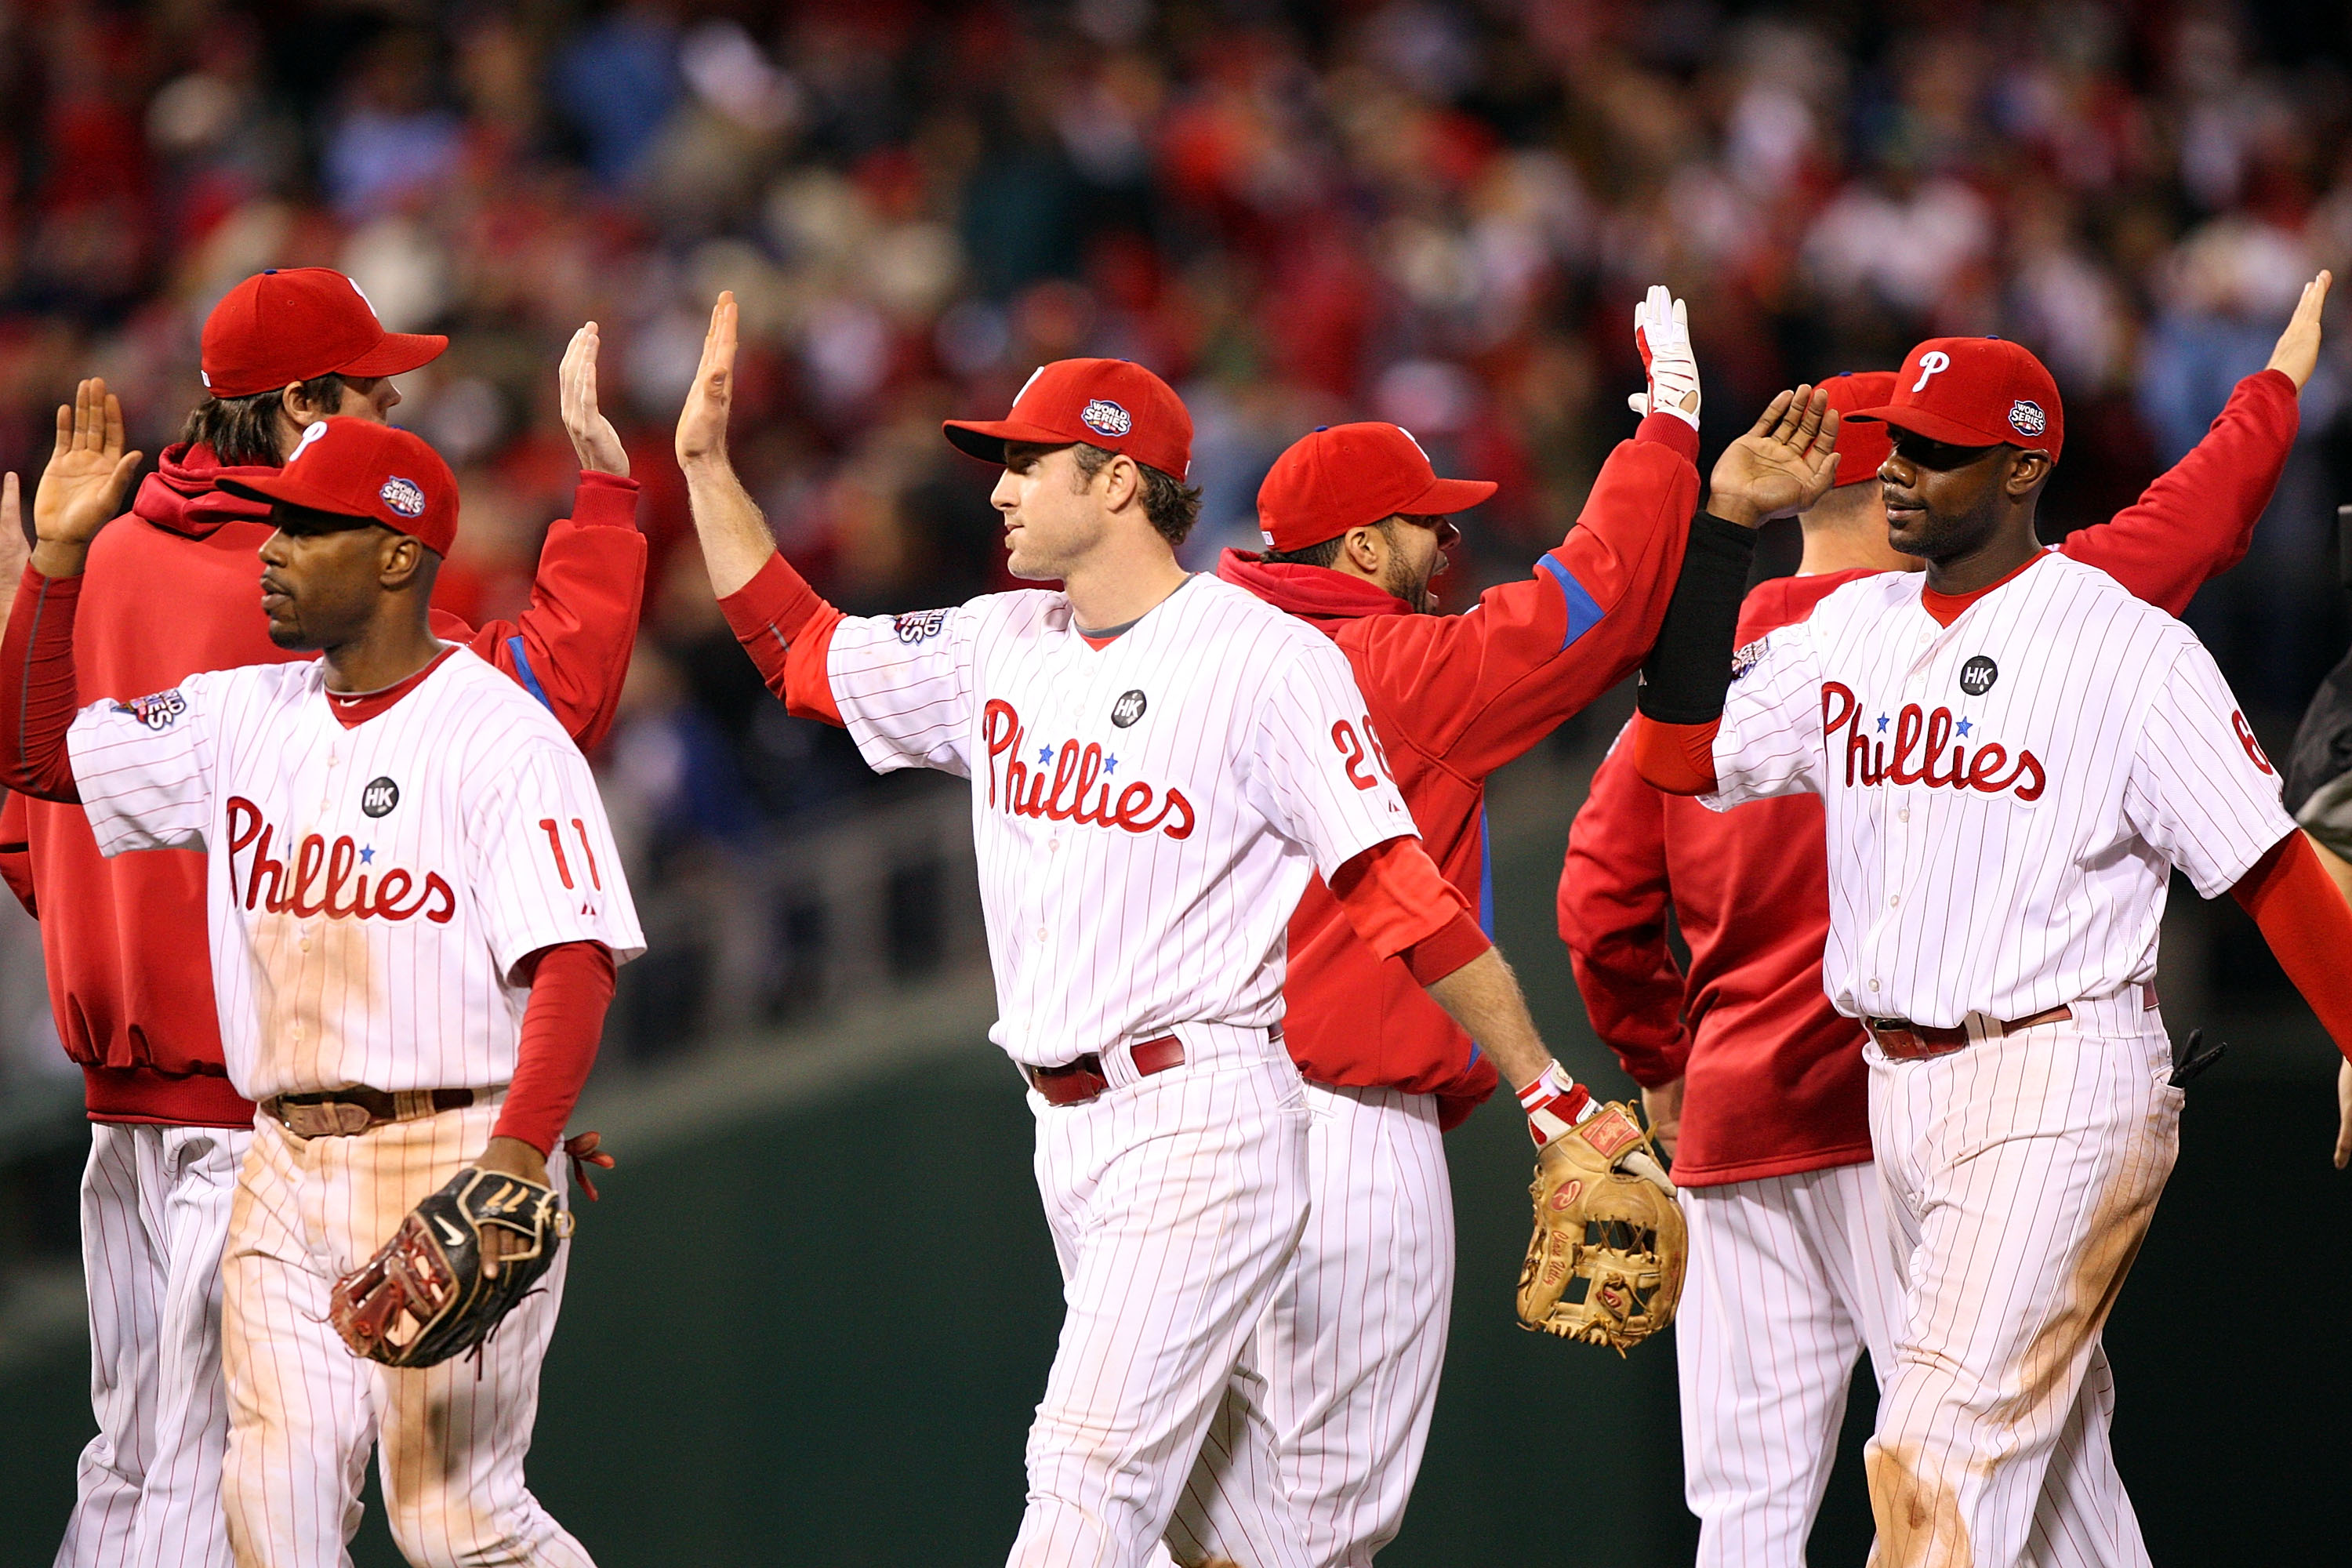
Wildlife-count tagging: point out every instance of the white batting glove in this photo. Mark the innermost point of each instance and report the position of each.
(1662, 332)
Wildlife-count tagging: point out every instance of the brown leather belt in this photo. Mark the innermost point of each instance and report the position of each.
(1903, 1041)
(1074, 1083)
(341, 1112)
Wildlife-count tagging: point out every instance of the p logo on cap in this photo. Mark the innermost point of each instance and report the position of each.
(1975, 392)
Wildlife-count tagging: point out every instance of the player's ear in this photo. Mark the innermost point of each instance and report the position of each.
(2026, 474)
(403, 563)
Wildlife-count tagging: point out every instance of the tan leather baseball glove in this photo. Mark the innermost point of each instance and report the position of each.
(1605, 1264)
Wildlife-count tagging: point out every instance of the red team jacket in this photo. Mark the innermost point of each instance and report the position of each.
(1775, 1076)
(174, 588)
(1453, 697)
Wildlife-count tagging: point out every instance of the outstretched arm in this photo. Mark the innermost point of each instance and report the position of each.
(2195, 521)
(736, 542)
(2304, 918)
(571, 649)
(80, 490)
(779, 620)
(1785, 464)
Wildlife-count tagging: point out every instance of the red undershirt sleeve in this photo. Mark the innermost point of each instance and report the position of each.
(2307, 924)
(37, 688)
(1402, 907)
(563, 1022)
(787, 629)
(1676, 758)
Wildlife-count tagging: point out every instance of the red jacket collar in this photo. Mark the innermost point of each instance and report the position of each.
(1315, 593)
(181, 495)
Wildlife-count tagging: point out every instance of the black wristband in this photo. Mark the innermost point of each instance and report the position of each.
(1689, 667)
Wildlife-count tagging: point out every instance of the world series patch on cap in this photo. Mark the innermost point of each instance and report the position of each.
(1975, 392)
(297, 323)
(359, 468)
(1113, 404)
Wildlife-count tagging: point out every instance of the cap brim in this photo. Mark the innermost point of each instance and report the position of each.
(1445, 497)
(985, 438)
(278, 487)
(1934, 426)
(398, 354)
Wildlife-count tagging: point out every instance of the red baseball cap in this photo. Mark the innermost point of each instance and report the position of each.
(1860, 447)
(1113, 404)
(359, 468)
(294, 324)
(1975, 392)
(1349, 476)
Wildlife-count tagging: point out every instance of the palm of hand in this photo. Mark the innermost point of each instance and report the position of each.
(1771, 475)
(77, 494)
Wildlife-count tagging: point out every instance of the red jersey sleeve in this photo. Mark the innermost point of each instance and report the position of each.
(571, 649)
(787, 629)
(1402, 907)
(1613, 898)
(2304, 918)
(563, 1023)
(2196, 521)
(1473, 692)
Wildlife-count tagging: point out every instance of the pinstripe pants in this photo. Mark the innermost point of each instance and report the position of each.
(155, 1208)
(1790, 1278)
(304, 1411)
(1175, 1202)
(1322, 1430)
(2021, 1175)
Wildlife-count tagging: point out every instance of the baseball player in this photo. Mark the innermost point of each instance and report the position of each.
(416, 911)
(1764, 1085)
(1158, 761)
(1341, 1377)
(2013, 753)
(170, 591)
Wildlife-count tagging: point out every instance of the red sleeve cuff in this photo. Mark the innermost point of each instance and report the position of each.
(787, 629)
(1433, 958)
(777, 597)
(1670, 430)
(563, 1022)
(1676, 758)
(1395, 898)
(606, 500)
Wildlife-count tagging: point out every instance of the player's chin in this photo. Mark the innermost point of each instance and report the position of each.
(1906, 528)
(288, 635)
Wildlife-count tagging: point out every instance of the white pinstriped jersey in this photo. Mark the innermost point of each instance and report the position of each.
(1147, 814)
(2005, 797)
(372, 888)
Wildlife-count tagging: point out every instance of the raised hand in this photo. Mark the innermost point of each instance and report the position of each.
(2297, 353)
(81, 489)
(702, 424)
(593, 435)
(1662, 334)
(1782, 466)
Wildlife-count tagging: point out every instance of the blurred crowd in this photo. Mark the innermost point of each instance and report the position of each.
(1438, 214)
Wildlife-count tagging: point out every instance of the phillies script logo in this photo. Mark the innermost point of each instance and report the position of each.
(1076, 790)
(1919, 743)
(321, 880)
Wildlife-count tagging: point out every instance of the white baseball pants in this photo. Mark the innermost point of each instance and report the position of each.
(1175, 1202)
(304, 1411)
(2022, 1172)
(1791, 1279)
(154, 1209)
(1322, 1429)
